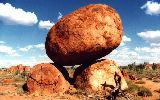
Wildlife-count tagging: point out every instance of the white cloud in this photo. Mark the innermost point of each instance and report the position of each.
(11, 15)
(45, 24)
(2, 42)
(150, 54)
(60, 15)
(8, 50)
(124, 55)
(155, 44)
(151, 8)
(29, 47)
(26, 48)
(40, 46)
(148, 49)
(31, 61)
(36, 57)
(150, 36)
(125, 39)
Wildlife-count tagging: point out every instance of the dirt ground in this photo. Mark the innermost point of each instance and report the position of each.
(11, 89)
(152, 86)
(13, 92)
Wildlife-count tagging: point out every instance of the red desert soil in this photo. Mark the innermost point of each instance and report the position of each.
(8, 88)
(32, 97)
(9, 93)
(152, 86)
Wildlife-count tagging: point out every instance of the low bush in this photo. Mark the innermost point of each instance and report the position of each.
(132, 88)
(145, 92)
(140, 82)
(139, 90)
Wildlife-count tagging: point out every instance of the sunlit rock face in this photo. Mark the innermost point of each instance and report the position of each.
(84, 35)
(98, 74)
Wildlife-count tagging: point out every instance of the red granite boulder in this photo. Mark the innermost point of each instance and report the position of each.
(46, 79)
(84, 35)
(99, 77)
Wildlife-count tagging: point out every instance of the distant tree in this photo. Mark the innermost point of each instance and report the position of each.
(154, 66)
(145, 63)
(132, 66)
(141, 66)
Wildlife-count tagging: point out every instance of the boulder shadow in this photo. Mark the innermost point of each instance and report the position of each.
(64, 72)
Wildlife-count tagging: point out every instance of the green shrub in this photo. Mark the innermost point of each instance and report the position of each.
(24, 75)
(17, 72)
(154, 66)
(140, 90)
(144, 92)
(132, 88)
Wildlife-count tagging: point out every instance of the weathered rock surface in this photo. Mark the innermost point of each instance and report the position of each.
(84, 35)
(99, 76)
(46, 79)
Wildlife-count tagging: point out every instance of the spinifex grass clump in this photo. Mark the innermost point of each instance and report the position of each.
(140, 82)
(139, 90)
(145, 92)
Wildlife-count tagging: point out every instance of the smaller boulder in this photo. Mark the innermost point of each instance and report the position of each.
(46, 79)
(99, 76)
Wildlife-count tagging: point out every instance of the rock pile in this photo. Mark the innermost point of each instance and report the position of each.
(81, 37)
(20, 68)
(84, 36)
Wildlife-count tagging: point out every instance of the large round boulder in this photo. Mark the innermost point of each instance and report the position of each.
(99, 76)
(84, 35)
(46, 79)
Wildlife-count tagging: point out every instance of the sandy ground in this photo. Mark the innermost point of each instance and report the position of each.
(152, 86)
(30, 97)
(9, 92)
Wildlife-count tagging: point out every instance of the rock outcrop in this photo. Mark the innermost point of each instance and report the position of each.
(127, 76)
(99, 76)
(46, 79)
(84, 35)
(20, 68)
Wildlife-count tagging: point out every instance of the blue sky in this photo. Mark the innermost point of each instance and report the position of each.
(24, 25)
